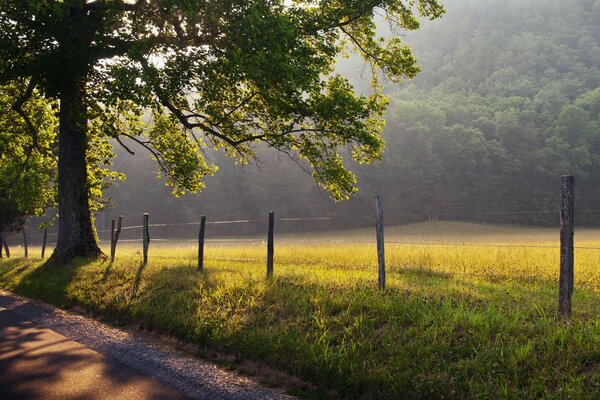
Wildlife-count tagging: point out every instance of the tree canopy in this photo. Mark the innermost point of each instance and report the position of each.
(220, 74)
(507, 101)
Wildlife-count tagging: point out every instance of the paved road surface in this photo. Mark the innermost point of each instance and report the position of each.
(47, 353)
(38, 363)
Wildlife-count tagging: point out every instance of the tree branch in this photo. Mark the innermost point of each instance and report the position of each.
(124, 146)
(183, 119)
(242, 104)
(18, 108)
(156, 153)
(361, 47)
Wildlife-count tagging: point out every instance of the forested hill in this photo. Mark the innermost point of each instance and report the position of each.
(508, 100)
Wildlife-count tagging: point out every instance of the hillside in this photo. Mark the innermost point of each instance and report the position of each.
(508, 100)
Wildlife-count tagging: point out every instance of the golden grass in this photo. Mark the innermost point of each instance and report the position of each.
(469, 310)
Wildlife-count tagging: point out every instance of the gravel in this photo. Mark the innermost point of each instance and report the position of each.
(149, 356)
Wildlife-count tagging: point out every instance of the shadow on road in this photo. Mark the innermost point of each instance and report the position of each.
(39, 363)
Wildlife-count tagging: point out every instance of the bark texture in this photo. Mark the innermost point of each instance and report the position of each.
(76, 233)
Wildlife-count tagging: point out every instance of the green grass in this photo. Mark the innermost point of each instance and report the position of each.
(455, 322)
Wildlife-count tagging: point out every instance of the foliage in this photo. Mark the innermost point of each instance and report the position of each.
(219, 74)
(28, 156)
(507, 101)
(27, 162)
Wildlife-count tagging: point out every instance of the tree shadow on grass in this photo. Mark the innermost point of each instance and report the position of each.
(12, 267)
(137, 281)
(277, 324)
(50, 281)
(429, 276)
(321, 332)
(106, 272)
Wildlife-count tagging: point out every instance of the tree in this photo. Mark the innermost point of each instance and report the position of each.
(27, 164)
(516, 168)
(227, 74)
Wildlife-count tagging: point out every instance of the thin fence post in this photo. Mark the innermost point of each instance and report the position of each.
(112, 240)
(44, 241)
(118, 232)
(380, 241)
(201, 243)
(25, 247)
(1, 241)
(567, 230)
(270, 245)
(5, 244)
(146, 238)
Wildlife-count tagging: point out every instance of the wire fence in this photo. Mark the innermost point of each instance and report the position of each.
(293, 231)
(126, 253)
(103, 233)
(131, 234)
(297, 236)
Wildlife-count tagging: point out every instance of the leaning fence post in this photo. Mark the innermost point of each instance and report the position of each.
(270, 245)
(112, 240)
(146, 238)
(44, 241)
(380, 241)
(567, 230)
(201, 243)
(25, 247)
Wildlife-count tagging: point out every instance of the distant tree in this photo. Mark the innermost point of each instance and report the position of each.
(514, 77)
(226, 74)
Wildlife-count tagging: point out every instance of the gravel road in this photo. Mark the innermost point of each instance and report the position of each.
(196, 378)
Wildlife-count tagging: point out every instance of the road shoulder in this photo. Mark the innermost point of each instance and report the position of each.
(145, 356)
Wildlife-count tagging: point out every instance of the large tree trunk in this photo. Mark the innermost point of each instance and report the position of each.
(76, 233)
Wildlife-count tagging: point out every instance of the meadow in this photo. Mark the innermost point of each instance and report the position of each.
(470, 311)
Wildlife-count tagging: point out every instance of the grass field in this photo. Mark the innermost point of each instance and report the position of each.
(473, 316)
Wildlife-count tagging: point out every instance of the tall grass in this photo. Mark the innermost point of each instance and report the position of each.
(455, 321)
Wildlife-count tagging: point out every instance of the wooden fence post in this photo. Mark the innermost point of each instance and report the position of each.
(380, 241)
(25, 247)
(118, 232)
(201, 243)
(567, 230)
(270, 245)
(112, 240)
(146, 238)
(44, 241)
(1, 242)
(5, 244)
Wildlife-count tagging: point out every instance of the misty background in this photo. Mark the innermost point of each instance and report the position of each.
(508, 100)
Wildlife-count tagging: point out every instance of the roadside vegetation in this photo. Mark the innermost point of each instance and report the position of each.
(456, 321)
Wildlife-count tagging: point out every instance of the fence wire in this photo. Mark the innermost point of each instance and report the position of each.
(291, 240)
(331, 241)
